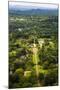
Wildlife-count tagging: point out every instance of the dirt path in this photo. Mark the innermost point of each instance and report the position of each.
(35, 61)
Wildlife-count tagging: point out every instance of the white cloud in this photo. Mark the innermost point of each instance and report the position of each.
(35, 5)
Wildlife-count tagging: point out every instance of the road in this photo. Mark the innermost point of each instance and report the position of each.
(35, 61)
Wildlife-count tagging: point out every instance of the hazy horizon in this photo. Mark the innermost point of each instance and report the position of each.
(28, 6)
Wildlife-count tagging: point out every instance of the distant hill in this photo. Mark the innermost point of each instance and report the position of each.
(49, 12)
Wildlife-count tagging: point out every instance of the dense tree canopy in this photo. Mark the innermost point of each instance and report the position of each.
(30, 40)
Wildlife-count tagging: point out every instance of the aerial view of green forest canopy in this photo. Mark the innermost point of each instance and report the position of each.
(33, 45)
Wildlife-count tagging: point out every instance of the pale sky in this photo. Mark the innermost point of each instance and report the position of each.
(32, 5)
